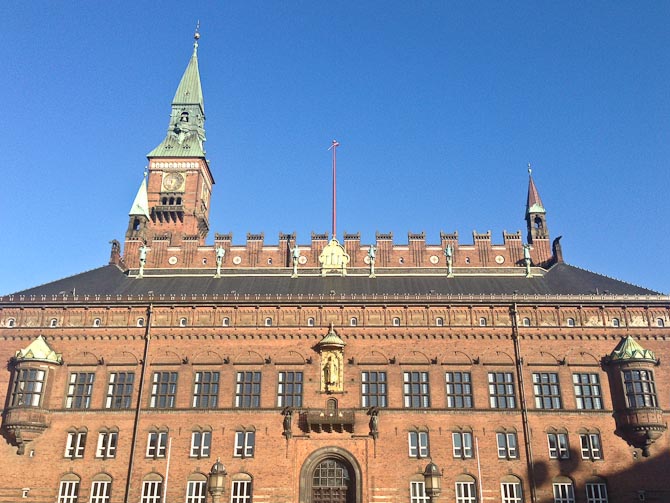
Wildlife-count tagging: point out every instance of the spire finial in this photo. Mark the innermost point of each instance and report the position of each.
(196, 37)
(530, 171)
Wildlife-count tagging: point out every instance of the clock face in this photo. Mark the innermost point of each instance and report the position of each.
(173, 182)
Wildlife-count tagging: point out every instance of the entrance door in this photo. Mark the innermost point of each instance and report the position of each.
(331, 482)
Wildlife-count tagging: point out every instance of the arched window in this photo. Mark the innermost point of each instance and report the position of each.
(526, 322)
(616, 322)
(53, 323)
(396, 322)
(240, 491)
(152, 488)
(596, 490)
(564, 490)
(439, 322)
(226, 322)
(268, 322)
(660, 322)
(97, 322)
(184, 117)
(101, 488)
(466, 489)
(164, 201)
(331, 406)
(171, 201)
(570, 322)
(140, 322)
(136, 224)
(510, 489)
(11, 322)
(482, 322)
(68, 491)
(196, 488)
(310, 322)
(353, 322)
(182, 322)
(179, 201)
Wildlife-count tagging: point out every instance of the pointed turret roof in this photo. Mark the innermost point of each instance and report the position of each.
(189, 91)
(39, 350)
(140, 205)
(629, 349)
(534, 203)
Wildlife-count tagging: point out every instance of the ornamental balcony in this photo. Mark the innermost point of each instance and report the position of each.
(25, 424)
(640, 427)
(324, 420)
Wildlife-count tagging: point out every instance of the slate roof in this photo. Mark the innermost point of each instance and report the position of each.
(561, 279)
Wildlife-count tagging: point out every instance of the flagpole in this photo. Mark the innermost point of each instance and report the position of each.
(334, 146)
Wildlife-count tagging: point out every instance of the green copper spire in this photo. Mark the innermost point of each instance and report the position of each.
(140, 205)
(186, 132)
(629, 349)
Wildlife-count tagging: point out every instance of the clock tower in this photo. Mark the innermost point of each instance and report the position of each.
(179, 184)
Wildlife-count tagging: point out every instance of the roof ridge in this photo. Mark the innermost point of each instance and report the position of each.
(61, 279)
(608, 277)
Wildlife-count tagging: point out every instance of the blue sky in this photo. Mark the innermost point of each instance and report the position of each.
(438, 107)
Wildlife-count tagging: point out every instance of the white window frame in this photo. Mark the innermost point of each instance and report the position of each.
(310, 322)
(68, 491)
(570, 322)
(511, 492)
(564, 492)
(353, 321)
(97, 322)
(196, 491)
(561, 448)
(225, 322)
(268, 321)
(508, 445)
(417, 443)
(75, 445)
(240, 491)
(462, 444)
(152, 491)
(245, 444)
(439, 321)
(596, 492)
(417, 492)
(396, 321)
(107, 442)
(100, 491)
(201, 444)
(591, 446)
(156, 444)
(466, 492)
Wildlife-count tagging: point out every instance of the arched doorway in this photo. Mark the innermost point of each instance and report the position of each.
(330, 475)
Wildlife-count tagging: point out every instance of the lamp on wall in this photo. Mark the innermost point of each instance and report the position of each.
(433, 480)
(216, 482)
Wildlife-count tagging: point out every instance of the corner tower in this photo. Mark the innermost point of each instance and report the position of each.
(179, 180)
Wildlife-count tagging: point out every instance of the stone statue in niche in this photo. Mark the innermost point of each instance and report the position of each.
(332, 371)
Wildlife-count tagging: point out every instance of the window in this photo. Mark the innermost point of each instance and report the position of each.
(353, 322)
(596, 492)
(640, 388)
(268, 322)
(152, 491)
(226, 322)
(11, 322)
(79, 390)
(206, 390)
(526, 322)
(547, 390)
(418, 444)
(157, 444)
(182, 322)
(616, 322)
(107, 441)
(120, 390)
(289, 389)
(570, 322)
(245, 443)
(462, 444)
(76, 442)
(416, 390)
(97, 322)
(501, 390)
(241, 491)
(659, 322)
(248, 389)
(140, 322)
(396, 322)
(310, 322)
(163, 390)
(68, 492)
(196, 491)
(564, 492)
(373, 389)
(466, 491)
(459, 390)
(587, 391)
(417, 492)
(201, 442)
(439, 322)
(28, 388)
(482, 322)
(507, 445)
(101, 489)
(510, 490)
(558, 445)
(53, 323)
(591, 447)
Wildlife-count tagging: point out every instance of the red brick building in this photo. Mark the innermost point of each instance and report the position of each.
(326, 372)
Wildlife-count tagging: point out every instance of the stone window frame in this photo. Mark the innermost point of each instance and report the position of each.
(10, 323)
(196, 488)
(511, 489)
(68, 488)
(596, 490)
(101, 488)
(590, 443)
(152, 488)
(241, 488)
(563, 490)
(466, 489)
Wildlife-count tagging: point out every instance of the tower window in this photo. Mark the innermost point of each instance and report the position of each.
(184, 117)
(616, 322)
(136, 224)
(179, 201)
(171, 201)
(164, 201)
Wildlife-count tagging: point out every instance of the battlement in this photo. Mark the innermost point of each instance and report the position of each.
(187, 253)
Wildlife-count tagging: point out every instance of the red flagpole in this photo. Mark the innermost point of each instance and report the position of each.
(334, 146)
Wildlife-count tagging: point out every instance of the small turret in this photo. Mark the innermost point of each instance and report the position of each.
(139, 214)
(535, 213)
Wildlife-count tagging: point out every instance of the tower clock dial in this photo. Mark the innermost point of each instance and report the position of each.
(173, 182)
